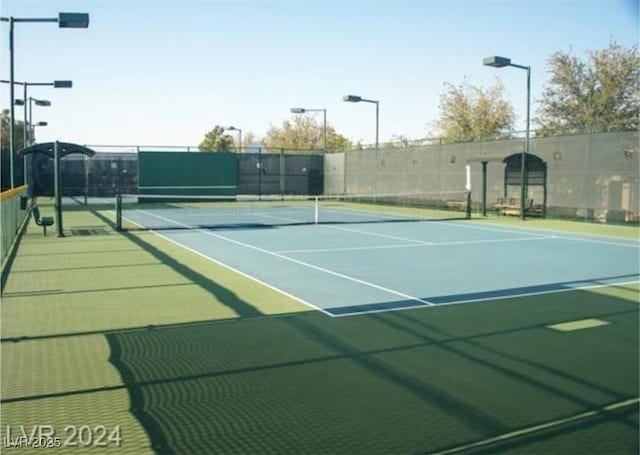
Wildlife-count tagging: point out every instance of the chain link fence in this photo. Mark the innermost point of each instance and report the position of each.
(594, 177)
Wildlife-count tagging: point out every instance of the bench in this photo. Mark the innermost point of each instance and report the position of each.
(511, 206)
(43, 221)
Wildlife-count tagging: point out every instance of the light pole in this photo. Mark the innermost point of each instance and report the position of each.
(64, 20)
(501, 62)
(233, 128)
(27, 130)
(45, 103)
(301, 110)
(357, 99)
(54, 84)
(28, 139)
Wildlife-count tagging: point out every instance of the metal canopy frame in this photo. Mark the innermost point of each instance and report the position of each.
(57, 150)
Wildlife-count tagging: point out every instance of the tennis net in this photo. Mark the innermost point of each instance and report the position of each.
(156, 212)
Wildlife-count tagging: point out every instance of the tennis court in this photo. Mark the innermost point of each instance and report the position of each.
(364, 258)
(543, 362)
(305, 329)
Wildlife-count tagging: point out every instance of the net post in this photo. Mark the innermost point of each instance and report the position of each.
(468, 215)
(316, 210)
(118, 212)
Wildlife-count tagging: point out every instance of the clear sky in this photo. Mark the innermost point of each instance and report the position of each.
(165, 72)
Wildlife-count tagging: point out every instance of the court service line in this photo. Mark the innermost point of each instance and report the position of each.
(521, 231)
(377, 234)
(424, 244)
(298, 262)
(349, 248)
(544, 426)
(374, 234)
(535, 236)
(415, 242)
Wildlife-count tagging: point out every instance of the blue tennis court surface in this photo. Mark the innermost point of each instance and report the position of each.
(353, 268)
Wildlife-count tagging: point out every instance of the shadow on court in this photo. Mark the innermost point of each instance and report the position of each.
(223, 294)
(416, 381)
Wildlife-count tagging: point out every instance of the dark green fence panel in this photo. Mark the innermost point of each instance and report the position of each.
(187, 173)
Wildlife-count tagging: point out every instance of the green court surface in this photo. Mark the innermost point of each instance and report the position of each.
(129, 330)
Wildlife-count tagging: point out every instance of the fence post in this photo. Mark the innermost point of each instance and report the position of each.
(282, 174)
(57, 189)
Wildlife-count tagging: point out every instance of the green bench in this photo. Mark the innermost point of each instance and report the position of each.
(43, 221)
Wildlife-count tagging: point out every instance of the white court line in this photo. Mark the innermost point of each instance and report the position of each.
(422, 301)
(561, 235)
(352, 248)
(233, 269)
(377, 234)
(521, 231)
(423, 244)
(374, 234)
(296, 261)
(415, 242)
(604, 242)
(544, 426)
(493, 298)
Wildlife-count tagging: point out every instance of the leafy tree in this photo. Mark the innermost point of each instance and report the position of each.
(5, 175)
(601, 93)
(305, 133)
(216, 141)
(470, 113)
(18, 132)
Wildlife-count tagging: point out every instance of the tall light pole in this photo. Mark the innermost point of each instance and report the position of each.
(28, 139)
(54, 84)
(25, 85)
(27, 130)
(64, 20)
(301, 110)
(45, 103)
(358, 99)
(501, 62)
(233, 128)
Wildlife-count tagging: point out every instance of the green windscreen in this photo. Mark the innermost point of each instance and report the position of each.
(187, 173)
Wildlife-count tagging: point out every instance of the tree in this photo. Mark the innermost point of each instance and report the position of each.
(18, 131)
(599, 94)
(471, 113)
(216, 141)
(305, 133)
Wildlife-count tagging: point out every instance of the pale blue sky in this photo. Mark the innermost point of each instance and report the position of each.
(166, 71)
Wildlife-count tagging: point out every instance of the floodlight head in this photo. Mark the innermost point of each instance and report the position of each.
(41, 124)
(62, 84)
(496, 62)
(352, 98)
(18, 102)
(42, 102)
(298, 110)
(73, 20)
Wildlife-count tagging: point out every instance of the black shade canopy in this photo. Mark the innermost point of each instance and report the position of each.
(66, 148)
